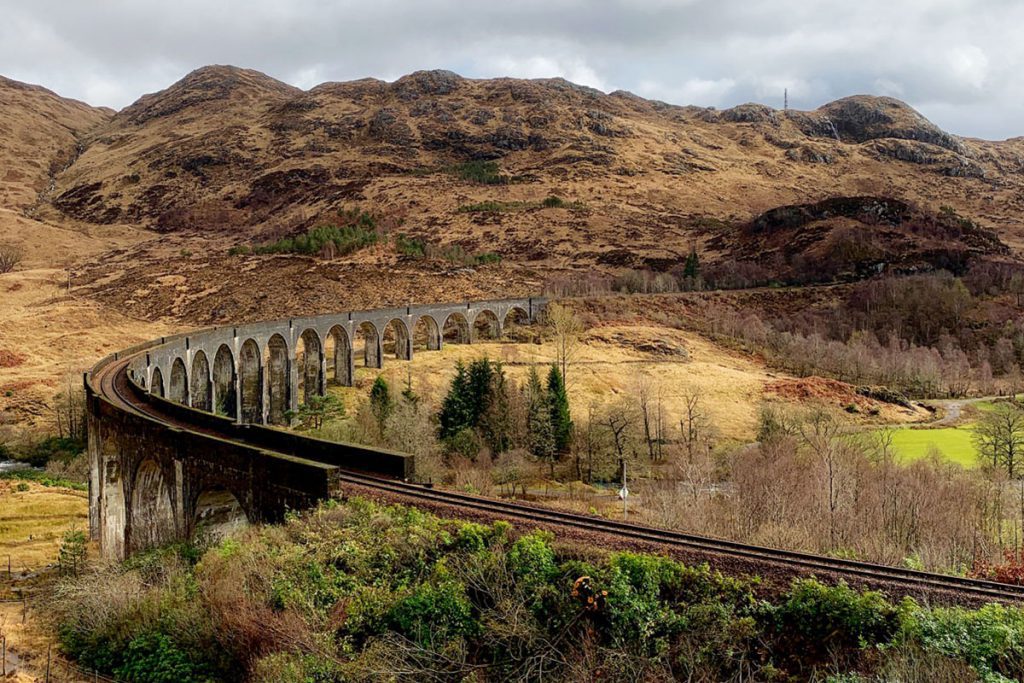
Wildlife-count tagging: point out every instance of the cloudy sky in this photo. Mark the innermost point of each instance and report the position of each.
(960, 62)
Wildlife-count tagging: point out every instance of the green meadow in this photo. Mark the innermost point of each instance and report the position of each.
(953, 442)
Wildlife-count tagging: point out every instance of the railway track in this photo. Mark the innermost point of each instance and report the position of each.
(113, 383)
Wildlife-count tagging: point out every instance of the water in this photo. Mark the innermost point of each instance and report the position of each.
(11, 466)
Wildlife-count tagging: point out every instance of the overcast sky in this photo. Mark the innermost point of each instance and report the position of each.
(960, 62)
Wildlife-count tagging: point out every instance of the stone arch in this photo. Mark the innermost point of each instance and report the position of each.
(278, 376)
(338, 351)
(177, 391)
(456, 329)
(157, 385)
(515, 320)
(218, 514)
(486, 326)
(426, 334)
(395, 339)
(152, 513)
(200, 386)
(309, 363)
(224, 383)
(367, 335)
(250, 381)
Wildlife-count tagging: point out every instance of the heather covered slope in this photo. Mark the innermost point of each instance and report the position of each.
(228, 150)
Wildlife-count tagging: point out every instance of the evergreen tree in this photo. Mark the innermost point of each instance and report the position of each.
(481, 379)
(381, 403)
(692, 267)
(538, 420)
(558, 405)
(456, 409)
(496, 424)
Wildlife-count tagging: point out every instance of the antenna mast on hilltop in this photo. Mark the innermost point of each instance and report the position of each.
(785, 99)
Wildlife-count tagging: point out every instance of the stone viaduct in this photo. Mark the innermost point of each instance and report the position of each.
(186, 433)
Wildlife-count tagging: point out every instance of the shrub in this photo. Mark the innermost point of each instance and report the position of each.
(818, 620)
(990, 639)
(434, 614)
(409, 246)
(10, 256)
(484, 172)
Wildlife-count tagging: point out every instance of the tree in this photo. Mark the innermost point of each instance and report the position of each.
(319, 409)
(567, 328)
(381, 403)
(10, 256)
(558, 402)
(538, 420)
(999, 438)
(456, 410)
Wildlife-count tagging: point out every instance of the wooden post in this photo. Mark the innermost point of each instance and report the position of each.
(3, 656)
(48, 648)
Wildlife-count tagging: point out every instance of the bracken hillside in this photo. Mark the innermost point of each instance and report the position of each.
(547, 175)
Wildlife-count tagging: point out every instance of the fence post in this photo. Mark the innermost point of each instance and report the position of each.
(48, 647)
(3, 656)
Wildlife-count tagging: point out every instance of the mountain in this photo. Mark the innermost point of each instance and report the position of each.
(233, 151)
(40, 134)
(550, 175)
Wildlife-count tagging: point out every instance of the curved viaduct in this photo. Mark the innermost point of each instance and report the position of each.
(182, 430)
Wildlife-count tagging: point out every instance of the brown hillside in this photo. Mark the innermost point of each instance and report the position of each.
(234, 151)
(39, 136)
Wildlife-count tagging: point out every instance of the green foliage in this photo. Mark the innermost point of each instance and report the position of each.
(382, 405)
(495, 206)
(355, 231)
(691, 269)
(990, 639)
(472, 393)
(317, 410)
(155, 658)
(365, 591)
(43, 479)
(821, 619)
(71, 554)
(483, 172)
(538, 419)
(410, 246)
(62, 449)
(558, 398)
(435, 614)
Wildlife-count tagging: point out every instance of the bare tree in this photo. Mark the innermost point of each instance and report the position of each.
(999, 438)
(567, 329)
(10, 256)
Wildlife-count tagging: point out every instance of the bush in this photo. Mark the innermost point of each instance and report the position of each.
(10, 257)
(484, 172)
(818, 621)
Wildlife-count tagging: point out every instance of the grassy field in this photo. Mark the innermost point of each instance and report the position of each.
(32, 521)
(609, 365)
(953, 442)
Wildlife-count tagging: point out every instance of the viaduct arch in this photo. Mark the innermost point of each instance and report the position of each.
(152, 482)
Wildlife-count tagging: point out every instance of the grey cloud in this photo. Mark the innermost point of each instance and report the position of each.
(958, 61)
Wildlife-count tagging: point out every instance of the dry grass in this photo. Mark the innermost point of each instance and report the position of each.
(33, 521)
(607, 367)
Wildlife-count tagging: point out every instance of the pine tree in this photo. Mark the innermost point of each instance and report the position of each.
(692, 267)
(558, 406)
(456, 409)
(496, 423)
(381, 403)
(538, 420)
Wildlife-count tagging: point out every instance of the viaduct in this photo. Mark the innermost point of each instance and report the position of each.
(186, 433)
